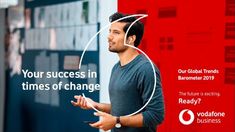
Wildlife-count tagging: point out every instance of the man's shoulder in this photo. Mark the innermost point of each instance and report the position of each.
(146, 66)
(115, 66)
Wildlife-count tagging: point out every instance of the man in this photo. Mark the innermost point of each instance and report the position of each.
(131, 84)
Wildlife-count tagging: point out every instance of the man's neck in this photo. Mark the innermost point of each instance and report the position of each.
(127, 56)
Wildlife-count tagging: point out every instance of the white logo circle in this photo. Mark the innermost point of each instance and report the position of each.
(182, 119)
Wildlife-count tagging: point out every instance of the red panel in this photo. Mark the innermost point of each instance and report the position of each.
(189, 34)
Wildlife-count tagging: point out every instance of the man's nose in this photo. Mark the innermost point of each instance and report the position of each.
(110, 37)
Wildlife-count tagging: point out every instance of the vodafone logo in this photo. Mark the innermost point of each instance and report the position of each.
(181, 115)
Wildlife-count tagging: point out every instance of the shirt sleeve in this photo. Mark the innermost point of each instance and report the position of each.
(153, 113)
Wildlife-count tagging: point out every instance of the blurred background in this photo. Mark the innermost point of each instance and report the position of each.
(50, 35)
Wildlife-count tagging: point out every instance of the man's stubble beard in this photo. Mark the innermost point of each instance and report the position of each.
(118, 50)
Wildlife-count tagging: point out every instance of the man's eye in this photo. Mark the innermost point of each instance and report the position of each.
(116, 33)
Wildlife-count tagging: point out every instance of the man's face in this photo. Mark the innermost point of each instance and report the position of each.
(116, 37)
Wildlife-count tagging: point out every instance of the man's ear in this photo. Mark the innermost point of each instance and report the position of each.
(131, 39)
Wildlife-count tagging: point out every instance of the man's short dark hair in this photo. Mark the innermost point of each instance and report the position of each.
(137, 28)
